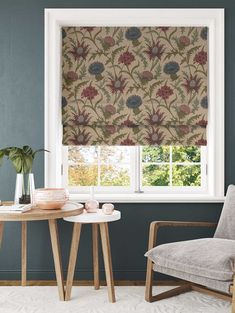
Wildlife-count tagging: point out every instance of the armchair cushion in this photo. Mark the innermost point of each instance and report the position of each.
(208, 257)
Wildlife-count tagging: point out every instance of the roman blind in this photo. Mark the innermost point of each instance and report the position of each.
(134, 85)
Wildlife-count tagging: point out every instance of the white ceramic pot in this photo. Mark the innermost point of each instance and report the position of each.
(108, 208)
(91, 206)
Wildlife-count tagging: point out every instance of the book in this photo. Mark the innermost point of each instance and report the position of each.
(15, 208)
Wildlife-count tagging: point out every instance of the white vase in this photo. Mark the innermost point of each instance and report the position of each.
(24, 189)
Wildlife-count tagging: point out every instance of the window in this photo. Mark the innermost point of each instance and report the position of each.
(165, 169)
(137, 168)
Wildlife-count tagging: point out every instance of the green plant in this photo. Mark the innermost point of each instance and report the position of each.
(21, 158)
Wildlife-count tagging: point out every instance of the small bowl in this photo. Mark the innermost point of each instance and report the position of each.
(50, 198)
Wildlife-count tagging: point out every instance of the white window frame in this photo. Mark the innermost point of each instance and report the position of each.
(212, 18)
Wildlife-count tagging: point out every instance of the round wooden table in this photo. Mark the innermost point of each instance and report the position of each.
(41, 215)
(98, 220)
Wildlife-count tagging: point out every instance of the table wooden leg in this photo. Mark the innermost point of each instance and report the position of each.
(107, 260)
(72, 259)
(1, 232)
(57, 256)
(95, 245)
(23, 253)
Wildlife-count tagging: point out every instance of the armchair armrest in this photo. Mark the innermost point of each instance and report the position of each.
(155, 225)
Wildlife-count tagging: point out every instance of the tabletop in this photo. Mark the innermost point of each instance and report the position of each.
(69, 209)
(98, 217)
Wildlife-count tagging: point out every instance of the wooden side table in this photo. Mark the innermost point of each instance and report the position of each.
(98, 220)
(40, 215)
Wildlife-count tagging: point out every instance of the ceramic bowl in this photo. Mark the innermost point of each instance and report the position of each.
(50, 198)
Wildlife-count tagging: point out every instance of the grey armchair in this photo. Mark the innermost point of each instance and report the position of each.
(206, 264)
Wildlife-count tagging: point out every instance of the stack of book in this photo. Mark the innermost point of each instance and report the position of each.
(15, 208)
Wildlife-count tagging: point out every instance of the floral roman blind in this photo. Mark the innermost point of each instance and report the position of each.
(134, 85)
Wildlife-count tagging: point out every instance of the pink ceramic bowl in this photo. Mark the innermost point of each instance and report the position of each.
(50, 198)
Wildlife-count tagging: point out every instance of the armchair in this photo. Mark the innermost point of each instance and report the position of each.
(207, 265)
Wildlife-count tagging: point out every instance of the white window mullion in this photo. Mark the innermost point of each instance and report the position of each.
(171, 166)
(99, 165)
(138, 170)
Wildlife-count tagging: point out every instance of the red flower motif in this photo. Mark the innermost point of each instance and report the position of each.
(111, 129)
(164, 29)
(109, 41)
(201, 142)
(146, 76)
(82, 138)
(79, 51)
(117, 84)
(72, 76)
(202, 123)
(89, 93)
(128, 123)
(155, 50)
(201, 57)
(155, 137)
(192, 83)
(81, 118)
(185, 109)
(127, 142)
(126, 58)
(183, 130)
(89, 29)
(109, 108)
(164, 92)
(155, 118)
(184, 41)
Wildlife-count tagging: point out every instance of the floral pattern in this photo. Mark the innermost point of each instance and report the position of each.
(134, 85)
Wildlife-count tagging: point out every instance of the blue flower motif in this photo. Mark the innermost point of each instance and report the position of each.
(133, 102)
(96, 68)
(133, 33)
(204, 33)
(204, 102)
(64, 102)
(171, 68)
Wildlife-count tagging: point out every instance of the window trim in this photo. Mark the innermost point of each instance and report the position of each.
(213, 18)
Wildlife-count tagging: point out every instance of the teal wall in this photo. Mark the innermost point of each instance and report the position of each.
(21, 122)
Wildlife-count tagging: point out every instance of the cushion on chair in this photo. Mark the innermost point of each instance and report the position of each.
(226, 225)
(220, 285)
(209, 257)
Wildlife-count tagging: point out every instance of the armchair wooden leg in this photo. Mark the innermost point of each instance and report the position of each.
(164, 295)
(233, 295)
(149, 281)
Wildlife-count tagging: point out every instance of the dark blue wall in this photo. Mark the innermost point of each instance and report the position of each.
(21, 122)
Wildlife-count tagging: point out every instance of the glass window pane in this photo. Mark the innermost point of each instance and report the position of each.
(186, 154)
(115, 154)
(83, 175)
(156, 175)
(186, 175)
(115, 175)
(82, 154)
(155, 154)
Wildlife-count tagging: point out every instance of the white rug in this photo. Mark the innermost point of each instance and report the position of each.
(88, 300)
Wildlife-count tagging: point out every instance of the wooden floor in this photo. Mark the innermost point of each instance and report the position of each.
(90, 283)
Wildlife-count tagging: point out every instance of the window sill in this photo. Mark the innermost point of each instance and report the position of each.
(148, 198)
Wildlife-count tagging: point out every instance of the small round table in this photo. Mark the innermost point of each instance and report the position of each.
(98, 220)
(40, 215)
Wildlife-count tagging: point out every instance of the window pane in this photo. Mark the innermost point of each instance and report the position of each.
(186, 175)
(83, 175)
(156, 154)
(115, 175)
(186, 154)
(114, 155)
(156, 175)
(82, 154)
